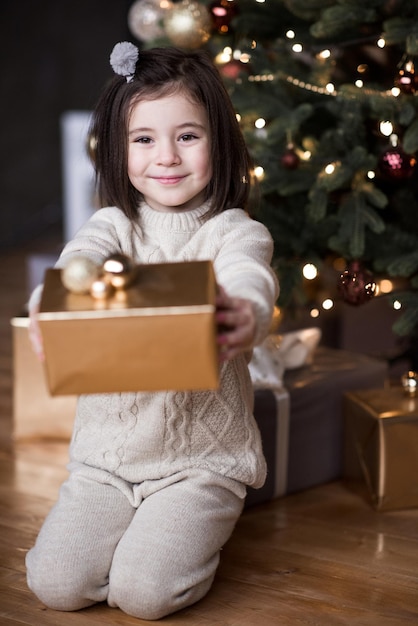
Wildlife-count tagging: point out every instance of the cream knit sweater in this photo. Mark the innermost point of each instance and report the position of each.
(140, 436)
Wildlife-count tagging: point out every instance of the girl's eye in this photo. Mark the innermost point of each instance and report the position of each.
(143, 140)
(188, 137)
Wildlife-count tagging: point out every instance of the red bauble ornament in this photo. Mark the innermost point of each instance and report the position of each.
(395, 164)
(289, 159)
(233, 69)
(407, 79)
(222, 13)
(356, 285)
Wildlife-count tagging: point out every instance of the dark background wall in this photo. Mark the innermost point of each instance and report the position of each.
(53, 58)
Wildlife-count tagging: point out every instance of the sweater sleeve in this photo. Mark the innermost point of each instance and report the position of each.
(243, 266)
(106, 232)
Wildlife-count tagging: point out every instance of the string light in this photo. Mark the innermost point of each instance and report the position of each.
(260, 123)
(290, 34)
(381, 42)
(324, 54)
(329, 169)
(259, 172)
(386, 285)
(314, 313)
(297, 47)
(310, 271)
(397, 305)
(371, 174)
(386, 128)
(327, 304)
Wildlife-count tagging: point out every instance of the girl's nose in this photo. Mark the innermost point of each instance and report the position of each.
(168, 154)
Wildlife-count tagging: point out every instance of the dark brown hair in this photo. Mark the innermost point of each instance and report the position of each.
(159, 72)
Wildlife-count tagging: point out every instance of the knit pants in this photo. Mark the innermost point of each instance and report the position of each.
(149, 549)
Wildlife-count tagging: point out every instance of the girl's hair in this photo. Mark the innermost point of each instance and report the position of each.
(161, 72)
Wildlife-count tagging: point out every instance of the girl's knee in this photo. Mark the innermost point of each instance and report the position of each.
(153, 599)
(53, 586)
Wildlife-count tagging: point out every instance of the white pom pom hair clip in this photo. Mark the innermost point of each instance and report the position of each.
(124, 58)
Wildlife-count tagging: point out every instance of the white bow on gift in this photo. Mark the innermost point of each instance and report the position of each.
(281, 352)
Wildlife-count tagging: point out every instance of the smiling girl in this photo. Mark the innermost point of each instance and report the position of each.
(158, 480)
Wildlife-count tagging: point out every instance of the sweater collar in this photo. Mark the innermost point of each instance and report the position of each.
(183, 221)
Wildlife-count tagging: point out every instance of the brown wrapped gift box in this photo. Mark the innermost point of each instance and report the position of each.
(158, 334)
(36, 415)
(381, 445)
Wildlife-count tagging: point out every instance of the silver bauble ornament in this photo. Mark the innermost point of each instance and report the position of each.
(188, 24)
(145, 18)
(79, 274)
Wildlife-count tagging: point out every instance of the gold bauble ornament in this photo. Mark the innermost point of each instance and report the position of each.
(118, 270)
(79, 274)
(101, 289)
(188, 24)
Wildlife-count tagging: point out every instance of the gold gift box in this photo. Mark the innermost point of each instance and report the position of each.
(381, 445)
(157, 334)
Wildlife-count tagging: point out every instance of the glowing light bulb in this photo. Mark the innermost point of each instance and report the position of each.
(359, 83)
(327, 304)
(386, 128)
(324, 54)
(381, 42)
(290, 34)
(386, 285)
(314, 313)
(309, 271)
(371, 174)
(260, 123)
(330, 88)
(297, 47)
(397, 305)
(330, 168)
(259, 172)
(395, 91)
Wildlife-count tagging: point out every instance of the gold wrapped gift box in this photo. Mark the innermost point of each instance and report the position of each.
(159, 333)
(381, 445)
(36, 415)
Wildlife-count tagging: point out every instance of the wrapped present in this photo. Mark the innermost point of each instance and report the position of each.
(36, 415)
(158, 333)
(271, 411)
(381, 445)
(299, 412)
(316, 429)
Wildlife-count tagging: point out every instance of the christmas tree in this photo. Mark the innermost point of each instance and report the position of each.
(326, 93)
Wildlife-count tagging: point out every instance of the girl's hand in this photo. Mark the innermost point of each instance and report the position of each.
(236, 325)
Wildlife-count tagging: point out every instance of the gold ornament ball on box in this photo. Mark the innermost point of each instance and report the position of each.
(118, 270)
(79, 274)
(188, 24)
(101, 289)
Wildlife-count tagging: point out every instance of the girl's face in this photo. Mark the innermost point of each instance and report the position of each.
(169, 152)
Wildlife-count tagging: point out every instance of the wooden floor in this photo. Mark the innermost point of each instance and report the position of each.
(321, 557)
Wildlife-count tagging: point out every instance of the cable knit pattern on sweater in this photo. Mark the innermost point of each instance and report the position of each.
(140, 436)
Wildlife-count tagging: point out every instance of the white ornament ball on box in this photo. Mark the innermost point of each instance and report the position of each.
(145, 18)
(79, 274)
(188, 24)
